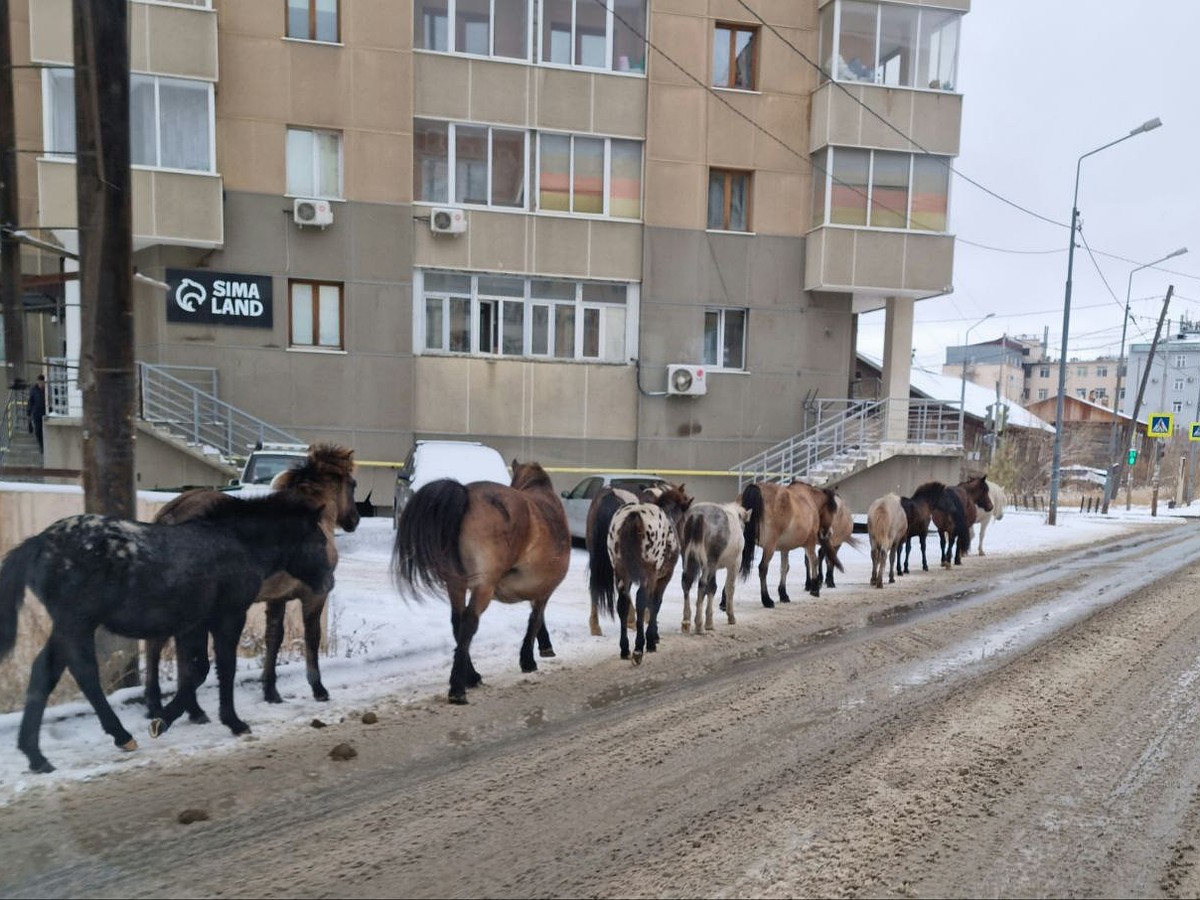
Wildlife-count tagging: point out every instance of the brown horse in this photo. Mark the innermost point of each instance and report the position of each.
(636, 543)
(836, 529)
(919, 517)
(783, 518)
(325, 480)
(887, 525)
(508, 543)
(953, 510)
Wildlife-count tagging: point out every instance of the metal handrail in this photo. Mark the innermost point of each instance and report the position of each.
(844, 427)
(14, 411)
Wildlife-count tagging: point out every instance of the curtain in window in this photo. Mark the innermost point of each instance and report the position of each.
(297, 19)
(712, 337)
(299, 162)
(327, 21)
(591, 334)
(329, 164)
(744, 60)
(739, 219)
(329, 302)
(460, 324)
(143, 142)
(625, 188)
(735, 339)
(513, 329)
(183, 121)
(931, 185)
(588, 180)
(820, 169)
(435, 323)
(716, 200)
(564, 331)
(554, 167)
(62, 111)
(302, 315)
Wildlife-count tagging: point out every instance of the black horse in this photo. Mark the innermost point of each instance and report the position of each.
(153, 581)
(946, 511)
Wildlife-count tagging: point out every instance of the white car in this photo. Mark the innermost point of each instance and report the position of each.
(578, 500)
(464, 461)
(263, 464)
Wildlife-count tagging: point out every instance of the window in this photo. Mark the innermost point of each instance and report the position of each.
(1042, 393)
(1101, 371)
(728, 200)
(734, 63)
(1180, 361)
(1178, 386)
(314, 163)
(316, 314)
(590, 175)
(481, 27)
(489, 164)
(501, 315)
(1121, 395)
(313, 20)
(170, 120)
(1081, 371)
(889, 44)
(1081, 393)
(725, 338)
(880, 189)
(1044, 372)
(1177, 406)
(607, 35)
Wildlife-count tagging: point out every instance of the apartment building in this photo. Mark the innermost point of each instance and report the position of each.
(618, 233)
(1173, 385)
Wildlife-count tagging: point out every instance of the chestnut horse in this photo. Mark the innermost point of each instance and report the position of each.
(836, 530)
(784, 517)
(500, 542)
(326, 480)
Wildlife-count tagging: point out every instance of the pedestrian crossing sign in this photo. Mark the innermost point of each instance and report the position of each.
(1161, 425)
(1194, 434)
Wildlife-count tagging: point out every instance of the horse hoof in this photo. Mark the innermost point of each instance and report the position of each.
(785, 599)
(319, 693)
(548, 652)
(130, 745)
(686, 627)
(624, 654)
(200, 718)
(528, 667)
(458, 698)
(157, 727)
(272, 696)
(637, 659)
(768, 603)
(41, 768)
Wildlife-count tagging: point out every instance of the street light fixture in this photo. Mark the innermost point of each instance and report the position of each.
(1056, 465)
(1111, 483)
(962, 391)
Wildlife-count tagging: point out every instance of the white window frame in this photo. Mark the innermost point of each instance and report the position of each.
(828, 178)
(48, 111)
(834, 53)
(1178, 386)
(316, 284)
(452, 165)
(722, 336)
(607, 176)
(528, 302)
(610, 23)
(315, 162)
(452, 34)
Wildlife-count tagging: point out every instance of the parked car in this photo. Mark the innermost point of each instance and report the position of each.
(578, 500)
(464, 461)
(263, 464)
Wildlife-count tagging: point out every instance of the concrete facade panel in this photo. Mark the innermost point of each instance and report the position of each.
(675, 194)
(676, 128)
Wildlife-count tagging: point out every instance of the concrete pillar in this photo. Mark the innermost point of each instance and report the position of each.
(897, 366)
(74, 332)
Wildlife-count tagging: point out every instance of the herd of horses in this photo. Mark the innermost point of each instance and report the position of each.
(192, 574)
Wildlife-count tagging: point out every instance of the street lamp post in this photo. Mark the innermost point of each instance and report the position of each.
(962, 391)
(1112, 482)
(1056, 464)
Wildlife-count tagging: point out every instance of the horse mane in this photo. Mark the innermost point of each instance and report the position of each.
(530, 474)
(271, 506)
(325, 463)
(929, 492)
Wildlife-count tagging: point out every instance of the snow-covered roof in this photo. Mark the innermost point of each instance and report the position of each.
(976, 399)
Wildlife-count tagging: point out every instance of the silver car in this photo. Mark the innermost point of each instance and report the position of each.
(578, 500)
(464, 461)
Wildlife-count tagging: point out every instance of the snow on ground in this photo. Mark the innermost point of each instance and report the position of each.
(382, 645)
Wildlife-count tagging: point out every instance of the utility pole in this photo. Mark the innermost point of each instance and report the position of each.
(1127, 432)
(106, 363)
(11, 300)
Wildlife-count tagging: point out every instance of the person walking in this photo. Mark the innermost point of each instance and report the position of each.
(36, 408)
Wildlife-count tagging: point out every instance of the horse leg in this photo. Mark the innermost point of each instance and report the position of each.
(47, 669)
(312, 607)
(893, 552)
(462, 672)
(191, 664)
(623, 604)
(784, 567)
(225, 637)
(536, 628)
(274, 640)
(153, 692)
(906, 547)
(691, 566)
(982, 528)
(474, 679)
(810, 553)
(545, 648)
(924, 560)
(710, 598)
(762, 575)
(639, 644)
(594, 621)
(80, 653)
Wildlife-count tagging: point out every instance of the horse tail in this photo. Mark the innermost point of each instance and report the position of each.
(958, 516)
(426, 551)
(630, 540)
(693, 537)
(601, 578)
(752, 499)
(14, 575)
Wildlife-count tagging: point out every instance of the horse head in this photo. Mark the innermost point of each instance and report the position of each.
(674, 501)
(529, 475)
(327, 478)
(977, 489)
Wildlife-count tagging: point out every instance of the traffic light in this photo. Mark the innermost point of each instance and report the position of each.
(989, 420)
(1132, 455)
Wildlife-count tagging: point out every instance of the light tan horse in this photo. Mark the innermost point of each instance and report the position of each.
(326, 480)
(498, 542)
(887, 525)
(783, 518)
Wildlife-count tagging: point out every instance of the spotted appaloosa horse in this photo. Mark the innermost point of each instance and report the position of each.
(784, 517)
(712, 539)
(642, 544)
(887, 525)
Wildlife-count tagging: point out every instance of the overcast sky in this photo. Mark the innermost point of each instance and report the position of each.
(1044, 83)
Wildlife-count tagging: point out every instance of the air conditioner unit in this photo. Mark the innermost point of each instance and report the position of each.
(686, 380)
(447, 220)
(312, 212)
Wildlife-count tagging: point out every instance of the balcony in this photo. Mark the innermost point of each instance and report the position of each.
(874, 264)
(169, 206)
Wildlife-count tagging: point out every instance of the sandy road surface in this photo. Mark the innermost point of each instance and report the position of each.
(1011, 728)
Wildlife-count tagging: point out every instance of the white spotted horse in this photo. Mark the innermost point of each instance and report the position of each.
(642, 541)
(712, 539)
